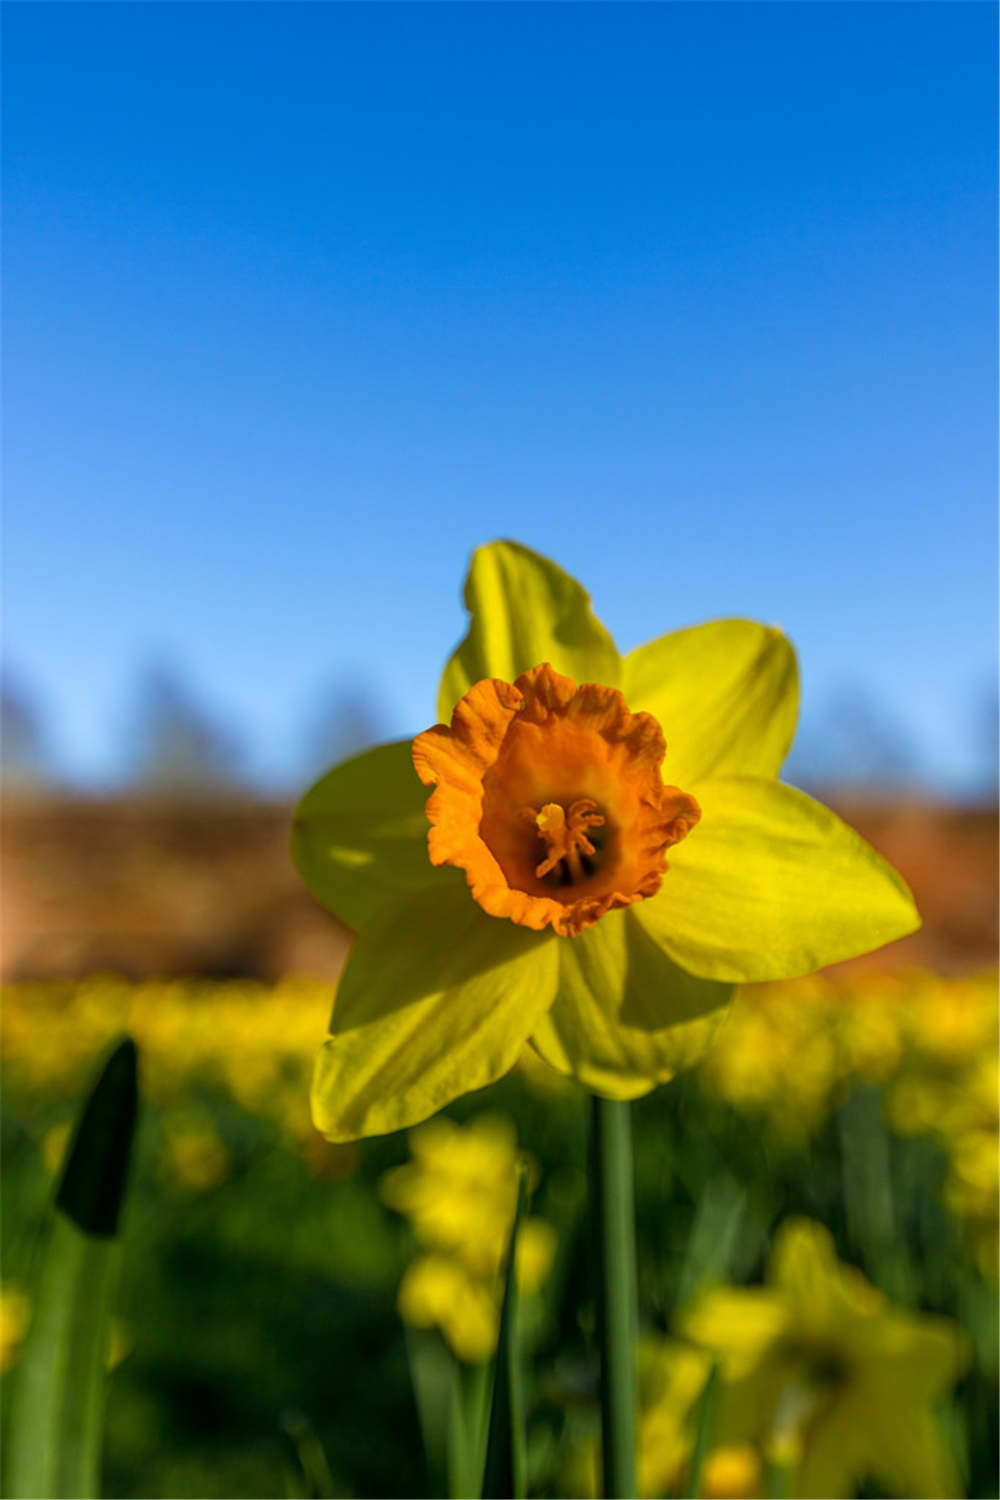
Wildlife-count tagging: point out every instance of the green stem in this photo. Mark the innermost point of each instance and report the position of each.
(778, 1476)
(506, 1459)
(616, 1302)
(705, 1414)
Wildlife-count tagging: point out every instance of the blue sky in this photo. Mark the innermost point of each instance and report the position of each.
(303, 302)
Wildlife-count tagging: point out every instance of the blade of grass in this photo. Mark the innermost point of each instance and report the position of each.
(474, 1388)
(450, 1398)
(57, 1403)
(433, 1375)
(506, 1464)
(312, 1478)
(706, 1413)
(869, 1186)
(614, 1232)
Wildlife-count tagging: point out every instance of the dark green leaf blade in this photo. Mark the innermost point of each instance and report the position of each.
(57, 1405)
(504, 1476)
(93, 1180)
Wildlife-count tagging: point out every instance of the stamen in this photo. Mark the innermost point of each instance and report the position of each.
(565, 837)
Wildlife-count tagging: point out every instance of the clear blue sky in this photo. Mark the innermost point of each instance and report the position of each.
(305, 301)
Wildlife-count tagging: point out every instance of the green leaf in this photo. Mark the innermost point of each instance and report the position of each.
(506, 1452)
(772, 885)
(57, 1403)
(524, 611)
(451, 1400)
(706, 1412)
(437, 998)
(311, 1476)
(359, 837)
(93, 1180)
(626, 1016)
(434, 1378)
(726, 696)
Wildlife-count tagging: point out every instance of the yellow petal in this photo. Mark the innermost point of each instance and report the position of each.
(737, 1324)
(359, 837)
(726, 695)
(626, 1017)
(839, 1447)
(772, 885)
(909, 1453)
(918, 1355)
(819, 1289)
(437, 1290)
(436, 999)
(536, 1249)
(525, 610)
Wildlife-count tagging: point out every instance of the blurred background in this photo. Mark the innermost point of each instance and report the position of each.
(304, 302)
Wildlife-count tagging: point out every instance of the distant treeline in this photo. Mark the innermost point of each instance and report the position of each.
(173, 743)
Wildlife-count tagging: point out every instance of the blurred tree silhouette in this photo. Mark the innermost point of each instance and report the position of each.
(348, 720)
(852, 742)
(175, 746)
(985, 737)
(23, 752)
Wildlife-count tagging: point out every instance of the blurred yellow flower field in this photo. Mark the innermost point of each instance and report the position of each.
(756, 1131)
(785, 1055)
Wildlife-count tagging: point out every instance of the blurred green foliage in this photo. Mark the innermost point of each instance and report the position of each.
(258, 1348)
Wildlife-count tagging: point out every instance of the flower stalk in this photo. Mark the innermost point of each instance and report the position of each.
(614, 1243)
(506, 1457)
(706, 1413)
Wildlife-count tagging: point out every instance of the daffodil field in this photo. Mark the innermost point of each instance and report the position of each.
(816, 1218)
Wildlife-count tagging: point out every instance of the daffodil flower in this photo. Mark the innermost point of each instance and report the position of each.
(832, 1380)
(672, 1380)
(459, 1192)
(607, 852)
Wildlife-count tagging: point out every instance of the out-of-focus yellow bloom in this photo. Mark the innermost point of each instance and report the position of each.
(536, 1248)
(15, 1318)
(788, 1053)
(733, 1473)
(948, 1086)
(950, 1021)
(672, 1379)
(869, 1025)
(828, 1377)
(193, 1156)
(438, 1291)
(775, 1054)
(459, 1192)
(971, 1128)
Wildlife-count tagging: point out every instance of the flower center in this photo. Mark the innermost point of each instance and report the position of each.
(568, 848)
(550, 797)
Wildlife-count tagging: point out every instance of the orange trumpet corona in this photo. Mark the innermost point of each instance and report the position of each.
(550, 797)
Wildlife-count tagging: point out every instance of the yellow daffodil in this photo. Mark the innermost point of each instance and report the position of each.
(438, 1292)
(532, 897)
(459, 1192)
(672, 1380)
(829, 1378)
